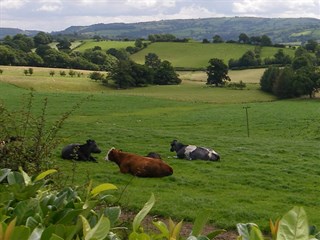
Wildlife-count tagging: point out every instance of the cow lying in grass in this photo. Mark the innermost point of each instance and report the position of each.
(138, 165)
(76, 151)
(192, 152)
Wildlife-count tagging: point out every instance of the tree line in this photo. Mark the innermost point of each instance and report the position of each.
(301, 77)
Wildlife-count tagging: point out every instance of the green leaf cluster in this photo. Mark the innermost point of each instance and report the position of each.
(292, 226)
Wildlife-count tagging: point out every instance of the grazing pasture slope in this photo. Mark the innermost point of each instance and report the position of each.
(257, 178)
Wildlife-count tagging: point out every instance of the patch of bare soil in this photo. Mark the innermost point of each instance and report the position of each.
(148, 227)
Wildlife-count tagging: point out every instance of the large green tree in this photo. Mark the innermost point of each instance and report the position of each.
(217, 72)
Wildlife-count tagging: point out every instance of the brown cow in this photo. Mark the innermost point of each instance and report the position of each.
(138, 165)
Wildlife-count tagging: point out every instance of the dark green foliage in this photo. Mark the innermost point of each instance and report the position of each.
(289, 82)
(96, 76)
(165, 75)
(63, 44)
(311, 45)
(120, 54)
(152, 60)
(217, 72)
(29, 141)
(217, 39)
(283, 87)
(128, 74)
(42, 38)
(268, 78)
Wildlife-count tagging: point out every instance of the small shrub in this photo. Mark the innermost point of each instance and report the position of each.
(28, 140)
(52, 72)
(62, 73)
(97, 76)
(72, 73)
(234, 85)
(1, 71)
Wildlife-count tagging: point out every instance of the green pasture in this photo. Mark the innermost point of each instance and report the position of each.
(197, 55)
(259, 177)
(105, 45)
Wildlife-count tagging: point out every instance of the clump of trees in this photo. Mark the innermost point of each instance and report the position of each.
(165, 38)
(128, 74)
(300, 78)
(217, 72)
(21, 50)
(253, 59)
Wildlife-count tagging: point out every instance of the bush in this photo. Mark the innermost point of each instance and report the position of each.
(28, 140)
(234, 85)
(29, 208)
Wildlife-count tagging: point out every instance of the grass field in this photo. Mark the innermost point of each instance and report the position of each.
(179, 53)
(259, 177)
(105, 45)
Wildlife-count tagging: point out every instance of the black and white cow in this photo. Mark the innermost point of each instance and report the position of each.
(192, 152)
(80, 152)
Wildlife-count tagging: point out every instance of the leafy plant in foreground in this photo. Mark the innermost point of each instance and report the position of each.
(292, 226)
(171, 232)
(31, 210)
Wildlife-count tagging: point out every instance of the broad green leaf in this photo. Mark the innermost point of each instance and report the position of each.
(20, 233)
(4, 173)
(101, 188)
(100, 231)
(15, 178)
(139, 236)
(67, 216)
(31, 223)
(215, 233)
(113, 213)
(162, 228)
(85, 225)
(55, 237)
(294, 225)
(44, 174)
(26, 178)
(200, 222)
(244, 230)
(143, 212)
(176, 231)
(255, 233)
(36, 234)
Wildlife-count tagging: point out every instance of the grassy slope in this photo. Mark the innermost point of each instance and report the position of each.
(105, 45)
(197, 55)
(258, 178)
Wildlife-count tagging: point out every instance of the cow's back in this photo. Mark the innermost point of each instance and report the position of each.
(69, 151)
(152, 168)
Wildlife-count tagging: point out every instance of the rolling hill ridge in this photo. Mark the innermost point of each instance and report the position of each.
(280, 30)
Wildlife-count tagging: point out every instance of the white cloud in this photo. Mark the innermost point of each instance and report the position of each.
(151, 3)
(50, 5)
(12, 4)
(251, 6)
(280, 8)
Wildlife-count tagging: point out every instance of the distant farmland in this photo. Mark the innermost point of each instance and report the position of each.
(105, 45)
(197, 55)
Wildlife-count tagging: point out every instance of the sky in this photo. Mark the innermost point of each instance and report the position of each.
(57, 15)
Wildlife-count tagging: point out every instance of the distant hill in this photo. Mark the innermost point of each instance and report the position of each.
(14, 31)
(280, 30)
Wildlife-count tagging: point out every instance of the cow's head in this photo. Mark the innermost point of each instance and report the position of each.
(93, 146)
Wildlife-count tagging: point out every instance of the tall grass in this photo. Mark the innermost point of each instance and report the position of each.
(259, 177)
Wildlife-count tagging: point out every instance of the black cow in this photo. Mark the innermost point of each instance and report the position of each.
(80, 152)
(154, 155)
(192, 152)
